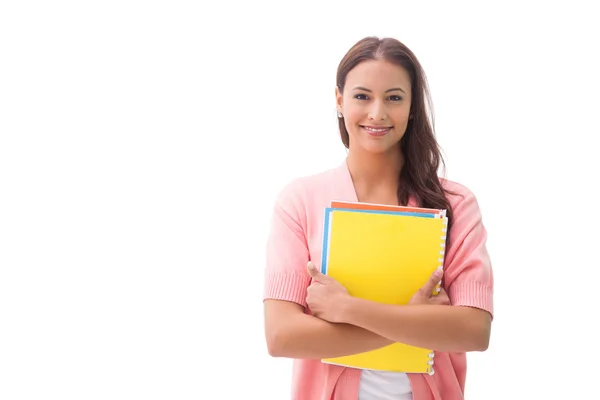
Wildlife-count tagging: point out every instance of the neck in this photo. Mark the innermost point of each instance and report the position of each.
(375, 172)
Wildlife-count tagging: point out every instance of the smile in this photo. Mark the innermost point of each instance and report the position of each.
(376, 131)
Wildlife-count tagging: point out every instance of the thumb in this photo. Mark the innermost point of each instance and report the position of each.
(315, 273)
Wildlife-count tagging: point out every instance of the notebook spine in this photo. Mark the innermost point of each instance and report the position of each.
(430, 361)
(442, 251)
(430, 370)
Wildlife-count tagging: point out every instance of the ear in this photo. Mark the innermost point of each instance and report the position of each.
(339, 100)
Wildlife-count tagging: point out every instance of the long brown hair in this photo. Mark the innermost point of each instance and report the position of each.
(422, 155)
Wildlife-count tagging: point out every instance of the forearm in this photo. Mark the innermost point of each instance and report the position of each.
(306, 336)
(437, 327)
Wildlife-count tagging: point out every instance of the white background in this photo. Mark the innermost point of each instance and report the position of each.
(142, 145)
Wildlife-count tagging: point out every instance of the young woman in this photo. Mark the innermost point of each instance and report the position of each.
(393, 158)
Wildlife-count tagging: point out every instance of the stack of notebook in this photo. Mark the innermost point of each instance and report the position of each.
(384, 254)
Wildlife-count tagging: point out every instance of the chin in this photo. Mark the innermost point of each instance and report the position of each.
(369, 148)
(371, 145)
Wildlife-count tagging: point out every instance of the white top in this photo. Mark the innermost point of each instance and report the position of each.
(384, 385)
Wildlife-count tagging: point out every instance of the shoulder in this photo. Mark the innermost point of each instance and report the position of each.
(463, 200)
(300, 200)
(457, 193)
(299, 191)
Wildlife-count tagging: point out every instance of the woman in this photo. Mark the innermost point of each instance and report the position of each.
(393, 158)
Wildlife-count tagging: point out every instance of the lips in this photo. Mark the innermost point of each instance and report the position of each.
(376, 130)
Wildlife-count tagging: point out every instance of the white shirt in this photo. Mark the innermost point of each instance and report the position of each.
(384, 385)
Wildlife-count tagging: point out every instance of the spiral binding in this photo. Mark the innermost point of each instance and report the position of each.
(443, 249)
(430, 369)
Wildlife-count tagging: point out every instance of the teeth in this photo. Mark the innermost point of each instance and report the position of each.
(376, 129)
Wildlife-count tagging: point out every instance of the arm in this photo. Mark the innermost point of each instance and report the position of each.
(468, 279)
(289, 331)
(437, 327)
(464, 326)
(292, 333)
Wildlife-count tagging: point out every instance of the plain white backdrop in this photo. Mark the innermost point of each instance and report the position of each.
(142, 145)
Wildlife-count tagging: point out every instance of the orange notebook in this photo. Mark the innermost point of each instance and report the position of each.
(383, 207)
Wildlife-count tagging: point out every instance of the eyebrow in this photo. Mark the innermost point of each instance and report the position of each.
(389, 90)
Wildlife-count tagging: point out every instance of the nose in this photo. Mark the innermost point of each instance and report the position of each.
(377, 111)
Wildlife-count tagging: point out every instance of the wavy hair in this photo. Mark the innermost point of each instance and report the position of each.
(421, 151)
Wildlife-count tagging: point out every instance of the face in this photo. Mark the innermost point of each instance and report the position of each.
(375, 105)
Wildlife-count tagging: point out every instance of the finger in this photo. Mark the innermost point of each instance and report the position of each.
(315, 273)
(442, 301)
(442, 298)
(433, 281)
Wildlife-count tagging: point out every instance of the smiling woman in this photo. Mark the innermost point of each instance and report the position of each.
(393, 158)
(377, 105)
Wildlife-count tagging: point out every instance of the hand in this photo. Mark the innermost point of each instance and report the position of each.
(325, 296)
(425, 294)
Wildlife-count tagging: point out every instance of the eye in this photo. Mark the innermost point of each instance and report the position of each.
(395, 98)
(361, 96)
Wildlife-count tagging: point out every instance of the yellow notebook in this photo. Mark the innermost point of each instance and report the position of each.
(384, 256)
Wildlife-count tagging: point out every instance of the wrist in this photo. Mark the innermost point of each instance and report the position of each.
(347, 307)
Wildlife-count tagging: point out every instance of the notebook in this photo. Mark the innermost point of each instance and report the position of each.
(384, 254)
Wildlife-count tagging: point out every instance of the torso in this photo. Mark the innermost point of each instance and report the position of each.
(306, 199)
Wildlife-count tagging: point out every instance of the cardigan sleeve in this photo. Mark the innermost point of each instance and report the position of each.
(287, 254)
(468, 277)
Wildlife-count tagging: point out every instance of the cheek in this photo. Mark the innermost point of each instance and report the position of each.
(400, 117)
(353, 116)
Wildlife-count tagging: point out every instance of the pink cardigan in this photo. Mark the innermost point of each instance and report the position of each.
(296, 237)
